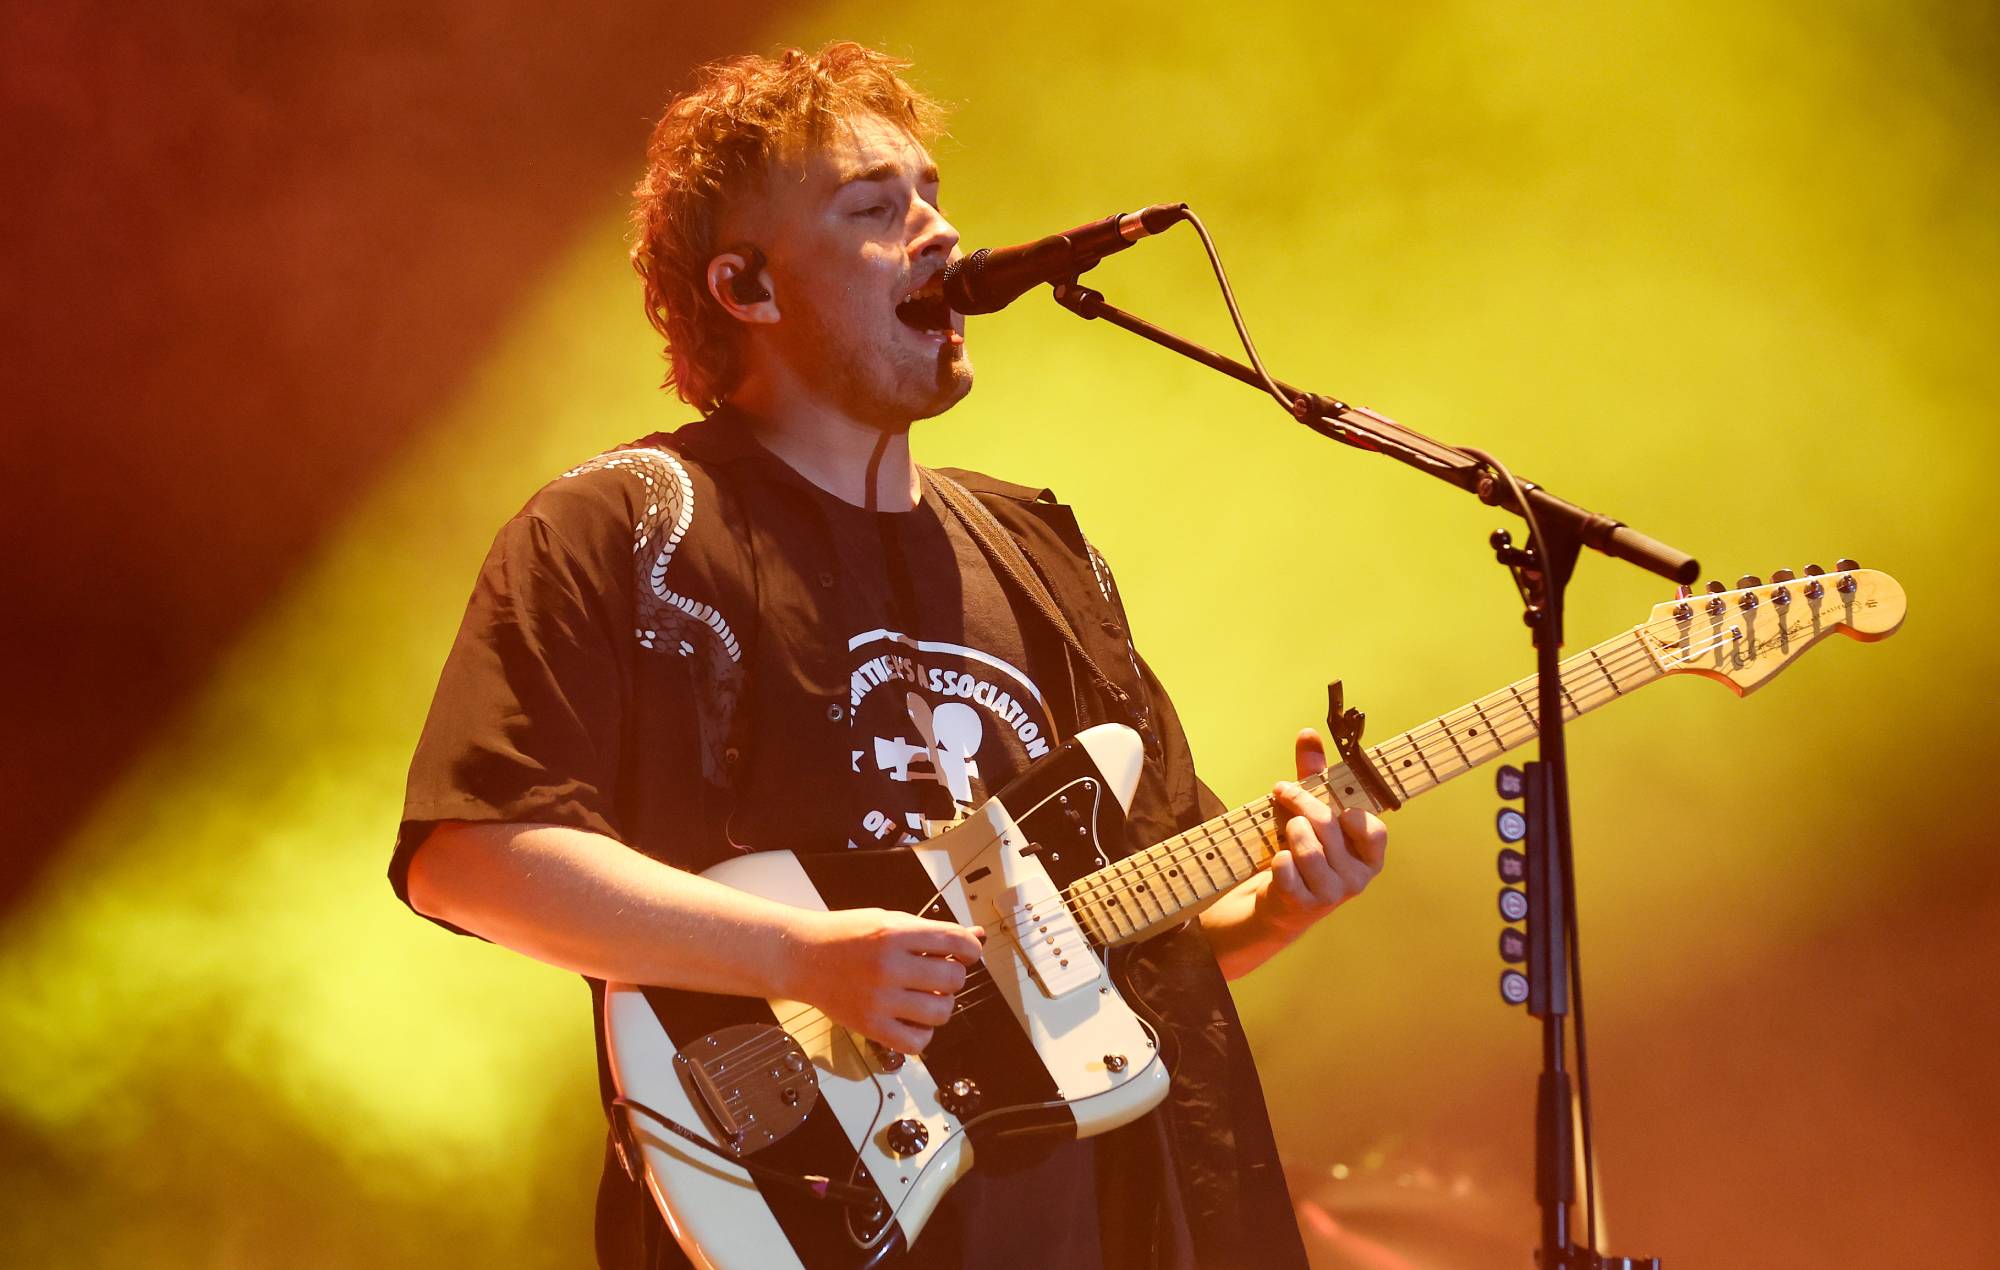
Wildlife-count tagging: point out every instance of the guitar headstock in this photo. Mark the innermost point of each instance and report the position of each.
(1743, 636)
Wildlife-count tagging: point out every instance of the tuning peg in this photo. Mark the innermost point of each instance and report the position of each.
(1813, 589)
(1844, 565)
(1683, 591)
(1813, 571)
(1744, 584)
(1847, 584)
(1783, 575)
(1716, 587)
(1716, 606)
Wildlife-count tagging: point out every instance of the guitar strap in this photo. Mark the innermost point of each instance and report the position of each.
(1012, 562)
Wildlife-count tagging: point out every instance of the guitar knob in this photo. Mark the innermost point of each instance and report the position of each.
(961, 1098)
(906, 1137)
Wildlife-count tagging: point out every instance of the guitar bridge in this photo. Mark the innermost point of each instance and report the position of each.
(752, 1084)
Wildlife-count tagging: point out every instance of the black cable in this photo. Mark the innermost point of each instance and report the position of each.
(811, 1184)
(1536, 544)
(1568, 866)
(1582, 1053)
(1236, 314)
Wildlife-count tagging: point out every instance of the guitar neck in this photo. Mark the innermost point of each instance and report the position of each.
(1161, 885)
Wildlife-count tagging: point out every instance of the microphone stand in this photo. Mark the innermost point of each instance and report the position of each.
(1558, 531)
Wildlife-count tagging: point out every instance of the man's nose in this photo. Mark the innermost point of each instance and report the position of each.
(935, 234)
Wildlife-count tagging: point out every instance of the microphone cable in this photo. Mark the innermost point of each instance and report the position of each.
(1535, 540)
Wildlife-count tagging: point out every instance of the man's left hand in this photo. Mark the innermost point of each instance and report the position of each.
(1327, 859)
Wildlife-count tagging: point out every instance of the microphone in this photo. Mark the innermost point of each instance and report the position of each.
(987, 280)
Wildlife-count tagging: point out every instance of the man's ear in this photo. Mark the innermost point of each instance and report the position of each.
(739, 283)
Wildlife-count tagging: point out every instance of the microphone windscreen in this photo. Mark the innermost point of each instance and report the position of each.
(961, 284)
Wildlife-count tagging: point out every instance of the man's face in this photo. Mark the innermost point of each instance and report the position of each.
(853, 232)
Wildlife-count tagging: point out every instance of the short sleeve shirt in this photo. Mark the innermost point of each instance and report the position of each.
(638, 623)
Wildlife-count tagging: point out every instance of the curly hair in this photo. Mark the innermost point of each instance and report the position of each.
(716, 143)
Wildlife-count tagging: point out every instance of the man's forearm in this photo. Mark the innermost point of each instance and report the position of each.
(590, 904)
(593, 905)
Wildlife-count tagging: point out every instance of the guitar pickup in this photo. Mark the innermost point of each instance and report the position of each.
(1049, 938)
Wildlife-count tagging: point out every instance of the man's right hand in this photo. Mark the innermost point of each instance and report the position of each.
(888, 975)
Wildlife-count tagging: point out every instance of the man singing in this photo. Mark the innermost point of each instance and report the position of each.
(769, 629)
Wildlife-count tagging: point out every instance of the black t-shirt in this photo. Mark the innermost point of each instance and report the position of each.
(623, 635)
(943, 706)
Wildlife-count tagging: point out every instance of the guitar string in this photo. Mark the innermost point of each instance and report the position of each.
(1198, 843)
(1259, 820)
(1195, 844)
(933, 898)
(763, 1048)
(1610, 660)
(1628, 652)
(1165, 861)
(776, 1045)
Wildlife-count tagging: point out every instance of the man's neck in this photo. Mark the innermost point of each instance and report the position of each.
(856, 462)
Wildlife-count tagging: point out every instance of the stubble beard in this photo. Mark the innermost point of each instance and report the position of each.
(889, 387)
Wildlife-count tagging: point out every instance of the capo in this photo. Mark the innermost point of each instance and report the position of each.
(1345, 725)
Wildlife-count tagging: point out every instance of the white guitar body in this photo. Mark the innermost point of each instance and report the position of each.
(1043, 1000)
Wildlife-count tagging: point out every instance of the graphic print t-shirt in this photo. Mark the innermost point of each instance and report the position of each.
(942, 708)
(613, 625)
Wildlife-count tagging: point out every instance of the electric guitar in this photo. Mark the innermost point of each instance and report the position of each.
(773, 1137)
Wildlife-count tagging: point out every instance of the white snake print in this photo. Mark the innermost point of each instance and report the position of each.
(669, 511)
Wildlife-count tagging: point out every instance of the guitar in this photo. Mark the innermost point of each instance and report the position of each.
(823, 1150)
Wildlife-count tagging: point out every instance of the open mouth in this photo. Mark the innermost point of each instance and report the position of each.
(925, 310)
